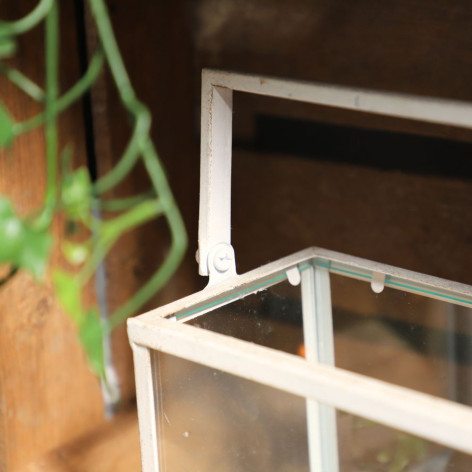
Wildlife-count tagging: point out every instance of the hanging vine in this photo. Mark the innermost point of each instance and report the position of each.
(26, 242)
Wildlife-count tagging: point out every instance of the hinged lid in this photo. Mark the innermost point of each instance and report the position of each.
(215, 255)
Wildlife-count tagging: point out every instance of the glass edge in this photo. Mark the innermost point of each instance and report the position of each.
(335, 267)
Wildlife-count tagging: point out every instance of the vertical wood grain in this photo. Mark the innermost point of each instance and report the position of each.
(155, 41)
(48, 395)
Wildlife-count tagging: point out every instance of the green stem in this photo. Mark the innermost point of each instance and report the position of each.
(121, 204)
(115, 61)
(27, 22)
(156, 172)
(8, 47)
(144, 294)
(109, 231)
(22, 82)
(99, 253)
(52, 90)
(72, 95)
(177, 250)
(128, 97)
(130, 156)
(153, 166)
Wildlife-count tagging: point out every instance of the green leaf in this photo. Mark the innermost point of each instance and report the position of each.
(91, 336)
(11, 232)
(35, 252)
(91, 330)
(77, 194)
(20, 244)
(75, 253)
(68, 292)
(7, 127)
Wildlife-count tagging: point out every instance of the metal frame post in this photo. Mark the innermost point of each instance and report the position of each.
(319, 348)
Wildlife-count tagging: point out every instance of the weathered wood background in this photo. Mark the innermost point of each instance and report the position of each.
(281, 203)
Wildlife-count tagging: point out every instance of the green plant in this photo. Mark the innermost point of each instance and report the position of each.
(26, 242)
(399, 452)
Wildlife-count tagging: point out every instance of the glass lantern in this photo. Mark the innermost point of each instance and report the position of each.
(316, 362)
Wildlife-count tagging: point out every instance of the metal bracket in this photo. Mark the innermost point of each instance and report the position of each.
(221, 263)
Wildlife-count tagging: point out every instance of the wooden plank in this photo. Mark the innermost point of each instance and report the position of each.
(350, 209)
(162, 34)
(47, 393)
(398, 46)
(112, 447)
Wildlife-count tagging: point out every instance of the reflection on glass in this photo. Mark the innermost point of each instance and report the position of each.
(368, 446)
(271, 317)
(213, 421)
(403, 338)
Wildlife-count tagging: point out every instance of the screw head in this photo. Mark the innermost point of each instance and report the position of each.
(222, 260)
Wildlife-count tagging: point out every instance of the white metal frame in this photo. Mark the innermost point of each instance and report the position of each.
(432, 418)
(318, 337)
(324, 386)
(216, 137)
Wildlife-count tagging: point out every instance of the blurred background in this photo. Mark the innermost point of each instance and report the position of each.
(394, 191)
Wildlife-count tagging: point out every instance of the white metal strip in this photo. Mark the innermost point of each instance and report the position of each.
(416, 413)
(324, 316)
(325, 346)
(214, 225)
(146, 400)
(314, 425)
(216, 133)
(319, 347)
(429, 109)
(244, 281)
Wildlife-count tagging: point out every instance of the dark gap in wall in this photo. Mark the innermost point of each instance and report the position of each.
(385, 150)
(86, 99)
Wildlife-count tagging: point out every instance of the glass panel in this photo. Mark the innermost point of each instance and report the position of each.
(271, 317)
(368, 446)
(409, 334)
(213, 421)
(403, 338)
(445, 293)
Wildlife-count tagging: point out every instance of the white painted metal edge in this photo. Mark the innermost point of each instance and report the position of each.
(216, 134)
(318, 336)
(214, 226)
(414, 107)
(146, 401)
(240, 282)
(416, 413)
(232, 285)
